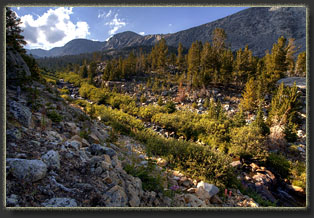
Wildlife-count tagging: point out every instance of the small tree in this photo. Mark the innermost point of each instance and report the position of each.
(248, 101)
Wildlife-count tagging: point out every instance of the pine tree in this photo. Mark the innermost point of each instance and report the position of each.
(162, 55)
(13, 31)
(84, 71)
(300, 66)
(194, 64)
(290, 51)
(180, 59)
(248, 101)
(284, 105)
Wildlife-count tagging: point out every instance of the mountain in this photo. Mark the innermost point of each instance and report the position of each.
(257, 27)
(73, 47)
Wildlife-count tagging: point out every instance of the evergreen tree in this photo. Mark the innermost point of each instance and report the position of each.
(162, 55)
(180, 59)
(248, 101)
(194, 64)
(300, 66)
(284, 105)
(84, 71)
(13, 31)
(290, 51)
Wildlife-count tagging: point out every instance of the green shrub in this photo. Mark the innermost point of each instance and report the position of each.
(54, 116)
(147, 112)
(67, 97)
(247, 141)
(298, 174)
(150, 182)
(278, 164)
(64, 91)
(170, 107)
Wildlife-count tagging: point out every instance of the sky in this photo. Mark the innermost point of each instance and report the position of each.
(48, 27)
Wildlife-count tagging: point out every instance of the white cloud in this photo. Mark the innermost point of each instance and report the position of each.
(142, 33)
(170, 24)
(53, 29)
(115, 24)
(103, 14)
(109, 13)
(18, 8)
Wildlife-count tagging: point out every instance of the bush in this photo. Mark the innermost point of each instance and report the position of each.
(247, 142)
(149, 111)
(67, 97)
(54, 116)
(278, 164)
(298, 174)
(150, 182)
(170, 107)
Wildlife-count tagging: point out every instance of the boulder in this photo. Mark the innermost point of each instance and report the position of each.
(14, 133)
(21, 113)
(52, 159)
(289, 81)
(60, 202)
(12, 201)
(27, 170)
(193, 201)
(210, 188)
(117, 197)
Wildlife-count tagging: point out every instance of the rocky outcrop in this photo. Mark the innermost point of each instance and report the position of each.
(289, 81)
(16, 68)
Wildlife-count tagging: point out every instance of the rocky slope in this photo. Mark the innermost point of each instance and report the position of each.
(258, 27)
(56, 156)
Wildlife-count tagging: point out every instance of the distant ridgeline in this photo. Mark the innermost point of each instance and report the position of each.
(257, 27)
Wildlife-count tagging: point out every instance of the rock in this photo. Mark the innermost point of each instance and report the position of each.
(98, 170)
(236, 164)
(215, 200)
(76, 138)
(117, 197)
(161, 162)
(193, 201)
(74, 144)
(210, 188)
(72, 127)
(202, 193)
(110, 151)
(21, 113)
(144, 162)
(52, 135)
(254, 167)
(289, 81)
(85, 143)
(92, 138)
(12, 201)
(191, 190)
(60, 202)
(27, 170)
(133, 195)
(52, 159)
(14, 133)
(97, 149)
(14, 59)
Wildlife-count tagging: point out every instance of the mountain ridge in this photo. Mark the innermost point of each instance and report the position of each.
(257, 27)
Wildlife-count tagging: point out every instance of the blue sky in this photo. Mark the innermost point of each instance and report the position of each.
(48, 27)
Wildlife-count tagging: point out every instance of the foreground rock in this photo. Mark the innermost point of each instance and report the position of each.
(27, 170)
(60, 202)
